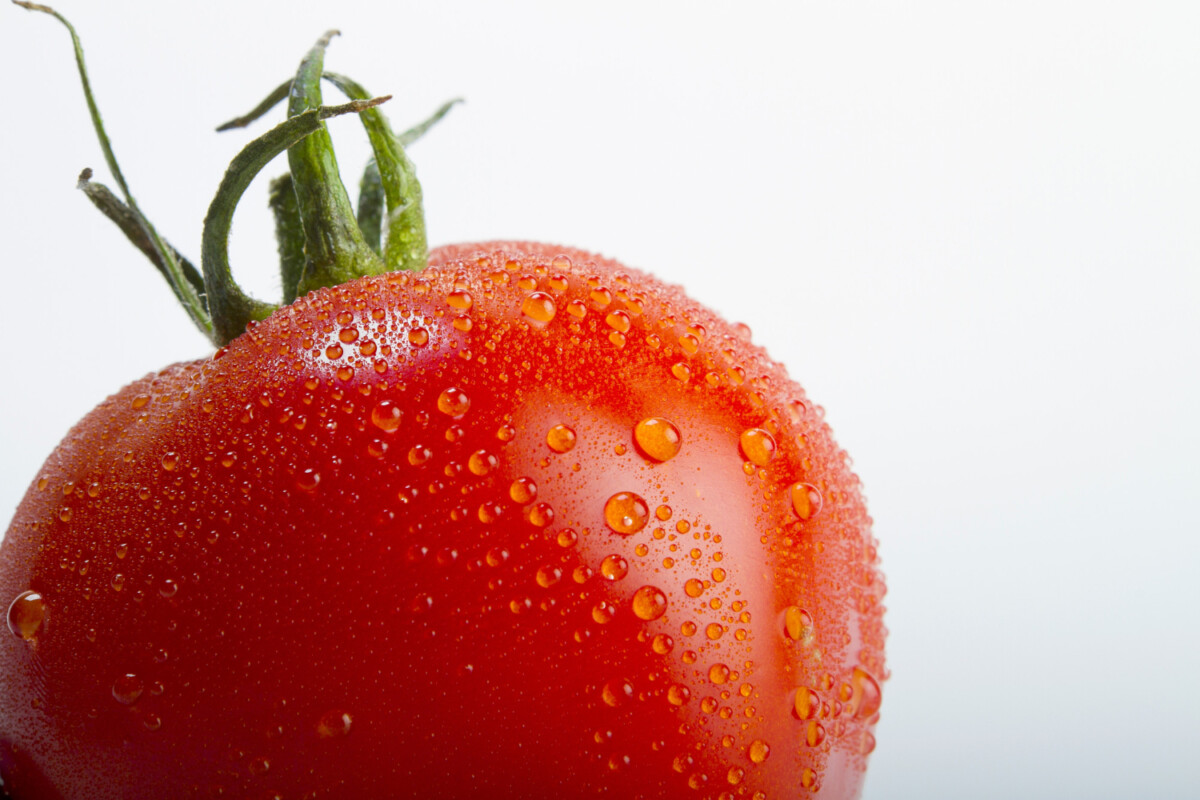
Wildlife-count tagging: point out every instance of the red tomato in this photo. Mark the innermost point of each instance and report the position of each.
(527, 524)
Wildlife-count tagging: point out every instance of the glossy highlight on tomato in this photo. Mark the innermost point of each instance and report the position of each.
(527, 523)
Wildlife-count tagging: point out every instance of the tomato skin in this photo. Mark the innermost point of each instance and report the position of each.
(407, 539)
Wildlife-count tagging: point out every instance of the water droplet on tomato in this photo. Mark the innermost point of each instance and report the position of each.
(626, 513)
(758, 446)
(866, 697)
(308, 480)
(678, 694)
(538, 308)
(481, 462)
(614, 567)
(797, 623)
(718, 673)
(386, 416)
(561, 438)
(453, 402)
(618, 321)
(127, 689)
(758, 751)
(735, 776)
(616, 692)
(693, 587)
(806, 704)
(657, 438)
(27, 614)
(661, 643)
(523, 490)
(603, 612)
(548, 575)
(540, 514)
(806, 500)
(170, 461)
(460, 300)
(814, 733)
(418, 337)
(334, 724)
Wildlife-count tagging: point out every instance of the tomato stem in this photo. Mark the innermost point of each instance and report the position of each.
(165, 257)
(289, 234)
(232, 308)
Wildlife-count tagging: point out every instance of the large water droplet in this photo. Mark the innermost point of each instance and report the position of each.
(867, 696)
(626, 513)
(127, 689)
(758, 446)
(758, 751)
(678, 694)
(806, 704)
(482, 462)
(523, 490)
(386, 416)
(453, 402)
(333, 724)
(616, 692)
(806, 500)
(657, 438)
(27, 614)
(797, 623)
(538, 308)
(614, 567)
(561, 438)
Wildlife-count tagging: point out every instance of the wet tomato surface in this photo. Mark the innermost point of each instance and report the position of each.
(526, 523)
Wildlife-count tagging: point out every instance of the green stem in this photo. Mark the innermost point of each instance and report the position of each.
(123, 217)
(335, 249)
(370, 206)
(232, 308)
(165, 258)
(289, 234)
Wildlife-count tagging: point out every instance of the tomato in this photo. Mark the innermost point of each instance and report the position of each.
(525, 523)
(502, 520)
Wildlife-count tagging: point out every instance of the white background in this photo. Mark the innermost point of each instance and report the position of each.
(971, 230)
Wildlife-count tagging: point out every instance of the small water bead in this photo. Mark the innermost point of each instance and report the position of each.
(523, 490)
(308, 480)
(814, 733)
(27, 614)
(661, 643)
(561, 438)
(577, 309)
(681, 371)
(619, 321)
(419, 454)
(539, 308)
(689, 343)
(616, 692)
(567, 538)
(506, 433)
(758, 446)
(527, 282)
(735, 775)
(806, 500)
(614, 567)
(481, 462)
(418, 337)
(386, 416)
(693, 587)
(657, 438)
(678, 694)
(170, 461)
(807, 703)
(334, 724)
(460, 300)
(718, 674)
(758, 751)
(603, 612)
(649, 603)
(453, 402)
(626, 513)
(540, 514)
(797, 623)
(866, 697)
(127, 689)
(548, 575)
(714, 631)
(688, 628)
